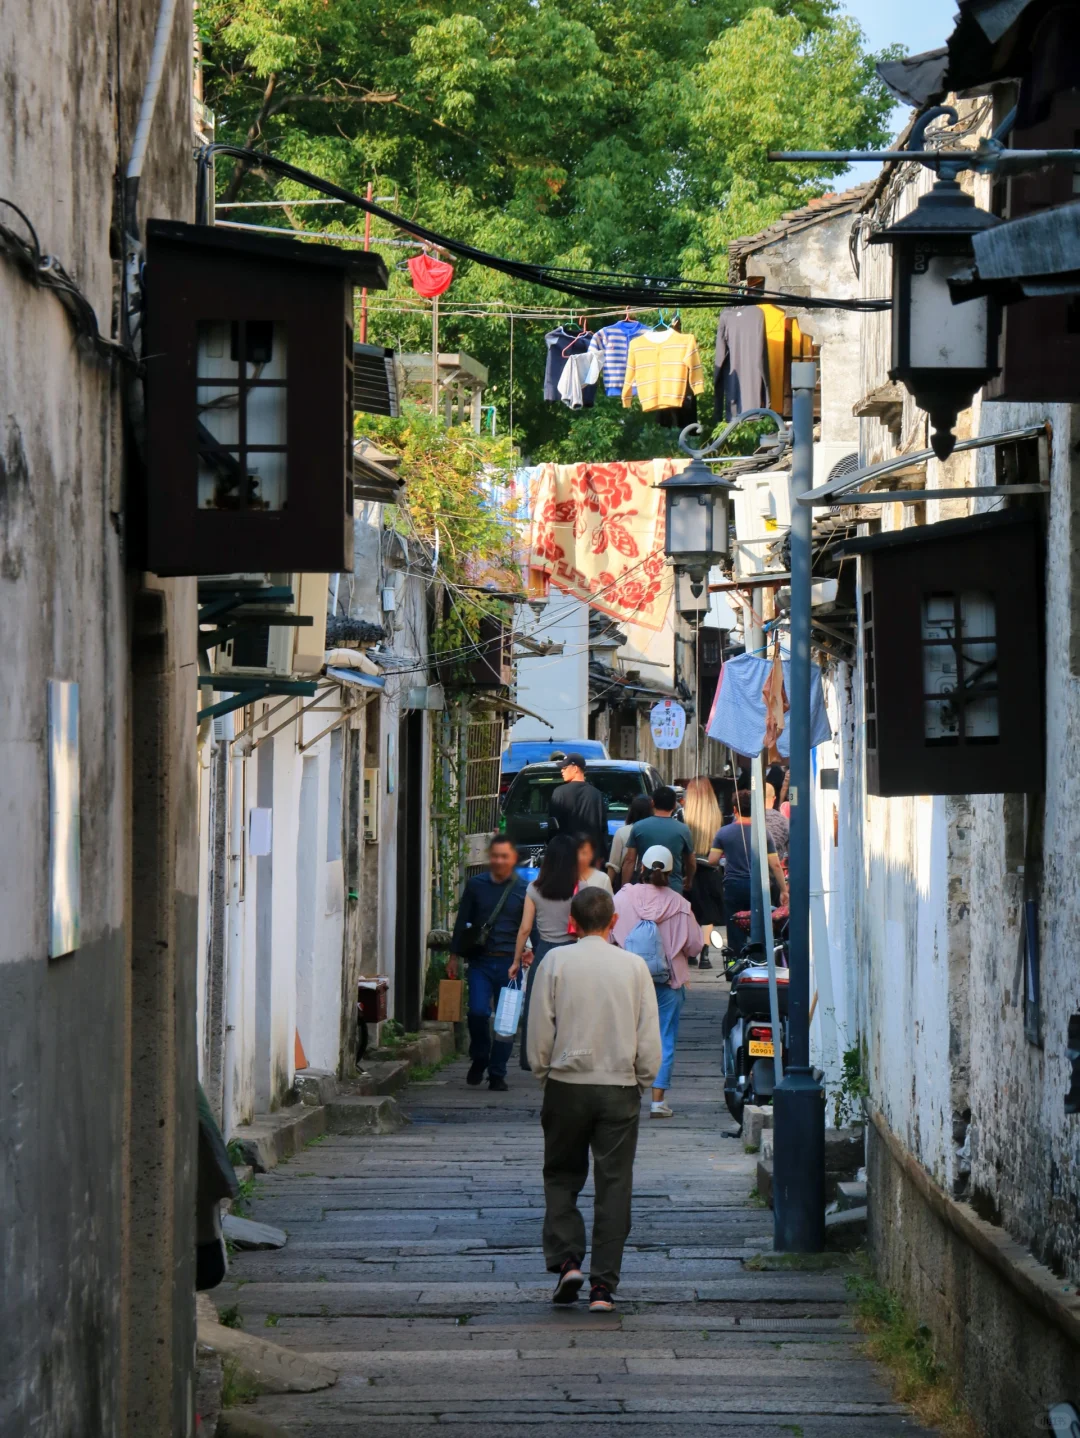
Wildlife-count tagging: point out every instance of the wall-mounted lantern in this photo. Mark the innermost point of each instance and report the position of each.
(249, 400)
(943, 353)
(952, 656)
(697, 515)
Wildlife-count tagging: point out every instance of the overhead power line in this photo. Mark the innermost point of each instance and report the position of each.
(612, 286)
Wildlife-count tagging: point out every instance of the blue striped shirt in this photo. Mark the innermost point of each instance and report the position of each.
(613, 342)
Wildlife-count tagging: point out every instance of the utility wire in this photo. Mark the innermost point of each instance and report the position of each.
(613, 285)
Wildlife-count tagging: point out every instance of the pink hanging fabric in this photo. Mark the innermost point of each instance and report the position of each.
(430, 277)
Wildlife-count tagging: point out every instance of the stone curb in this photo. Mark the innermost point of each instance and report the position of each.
(277, 1136)
(268, 1366)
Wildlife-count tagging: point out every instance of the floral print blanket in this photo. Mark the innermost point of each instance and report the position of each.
(598, 533)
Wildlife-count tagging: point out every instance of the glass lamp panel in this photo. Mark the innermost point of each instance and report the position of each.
(944, 335)
(218, 409)
(267, 474)
(687, 528)
(219, 480)
(264, 342)
(216, 357)
(266, 409)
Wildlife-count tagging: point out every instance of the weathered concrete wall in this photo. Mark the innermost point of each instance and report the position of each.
(1009, 1358)
(1025, 1150)
(936, 914)
(97, 1092)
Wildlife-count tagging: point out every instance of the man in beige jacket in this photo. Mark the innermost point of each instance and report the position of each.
(594, 1044)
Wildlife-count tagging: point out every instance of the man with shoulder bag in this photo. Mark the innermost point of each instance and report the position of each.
(488, 919)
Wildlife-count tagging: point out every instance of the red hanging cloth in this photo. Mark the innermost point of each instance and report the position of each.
(430, 277)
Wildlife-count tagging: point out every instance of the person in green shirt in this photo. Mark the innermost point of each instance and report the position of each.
(664, 829)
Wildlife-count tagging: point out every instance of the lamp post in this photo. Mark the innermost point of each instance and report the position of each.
(799, 1099)
(693, 557)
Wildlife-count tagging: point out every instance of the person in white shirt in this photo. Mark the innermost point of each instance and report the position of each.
(594, 1045)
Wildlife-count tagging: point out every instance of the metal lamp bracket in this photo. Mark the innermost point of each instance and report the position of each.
(782, 426)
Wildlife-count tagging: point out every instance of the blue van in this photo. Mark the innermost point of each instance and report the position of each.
(539, 751)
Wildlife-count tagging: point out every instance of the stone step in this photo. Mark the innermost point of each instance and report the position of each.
(273, 1137)
(351, 1114)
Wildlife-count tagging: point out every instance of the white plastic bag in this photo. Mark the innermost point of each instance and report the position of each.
(508, 1012)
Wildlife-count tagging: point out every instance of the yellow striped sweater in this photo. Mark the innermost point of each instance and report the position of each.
(662, 368)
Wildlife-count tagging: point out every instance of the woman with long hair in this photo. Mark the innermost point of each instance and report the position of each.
(641, 807)
(655, 901)
(701, 811)
(546, 916)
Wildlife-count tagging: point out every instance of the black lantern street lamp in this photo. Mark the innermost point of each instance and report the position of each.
(942, 353)
(697, 513)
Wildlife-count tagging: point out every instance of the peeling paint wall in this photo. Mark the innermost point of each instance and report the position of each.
(98, 1062)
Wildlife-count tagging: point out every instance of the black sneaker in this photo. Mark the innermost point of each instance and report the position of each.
(601, 1299)
(475, 1076)
(570, 1281)
(498, 1085)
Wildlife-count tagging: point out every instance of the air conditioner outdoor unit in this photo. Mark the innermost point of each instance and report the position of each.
(371, 806)
(258, 649)
(266, 649)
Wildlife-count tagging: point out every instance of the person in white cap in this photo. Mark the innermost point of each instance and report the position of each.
(654, 902)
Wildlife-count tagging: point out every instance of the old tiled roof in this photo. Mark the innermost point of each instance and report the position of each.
(825, 207)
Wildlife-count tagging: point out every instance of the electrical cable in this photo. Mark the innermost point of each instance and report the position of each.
(45, 272)
(643, 290)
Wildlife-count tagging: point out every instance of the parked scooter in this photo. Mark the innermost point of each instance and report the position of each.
(749, 1069)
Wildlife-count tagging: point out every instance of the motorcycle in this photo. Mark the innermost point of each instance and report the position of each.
(748, 1053)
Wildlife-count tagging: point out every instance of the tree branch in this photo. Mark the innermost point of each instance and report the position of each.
(240, 169)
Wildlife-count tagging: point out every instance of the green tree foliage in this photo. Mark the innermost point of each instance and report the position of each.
(623, 135)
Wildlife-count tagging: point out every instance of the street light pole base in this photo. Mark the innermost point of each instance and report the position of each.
(799, 1163)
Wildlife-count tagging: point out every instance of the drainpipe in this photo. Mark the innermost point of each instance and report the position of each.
(234, 950)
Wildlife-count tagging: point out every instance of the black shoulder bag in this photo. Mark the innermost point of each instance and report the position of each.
(476, 939)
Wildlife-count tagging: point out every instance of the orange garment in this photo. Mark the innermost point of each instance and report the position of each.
(774, 342)
(662, 368)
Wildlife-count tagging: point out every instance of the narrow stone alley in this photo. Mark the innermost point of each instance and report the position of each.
(413, 1268)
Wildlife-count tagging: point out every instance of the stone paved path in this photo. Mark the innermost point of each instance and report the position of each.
(413, 1268)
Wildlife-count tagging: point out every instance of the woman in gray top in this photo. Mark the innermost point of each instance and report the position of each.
(546, 916)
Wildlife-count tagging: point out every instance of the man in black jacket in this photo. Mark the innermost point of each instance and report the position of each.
(578, 807)
(494, 901)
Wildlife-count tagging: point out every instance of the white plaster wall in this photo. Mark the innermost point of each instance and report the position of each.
(1025, 1150)
(555, 686)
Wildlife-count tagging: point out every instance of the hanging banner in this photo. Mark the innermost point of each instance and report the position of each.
(598, 533)
(667, 720)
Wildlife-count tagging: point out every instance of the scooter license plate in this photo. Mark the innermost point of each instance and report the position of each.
(759, 1049)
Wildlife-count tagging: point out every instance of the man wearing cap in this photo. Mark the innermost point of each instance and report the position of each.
(578, 807)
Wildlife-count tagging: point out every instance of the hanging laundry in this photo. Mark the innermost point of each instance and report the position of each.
(613, 344)
(561, 344)
(598, 532)
(580, 373)
(430, 277)
(739, 717)
(742, 362)
(681, 417)
(663, 365)
(775, 320)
